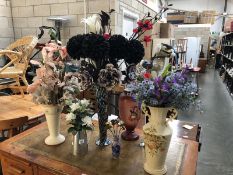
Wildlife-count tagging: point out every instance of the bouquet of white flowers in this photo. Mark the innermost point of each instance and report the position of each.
(79, 115)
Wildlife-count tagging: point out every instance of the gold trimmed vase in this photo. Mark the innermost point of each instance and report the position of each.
(157, 136)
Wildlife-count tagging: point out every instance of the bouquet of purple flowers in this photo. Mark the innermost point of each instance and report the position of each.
(171, 89)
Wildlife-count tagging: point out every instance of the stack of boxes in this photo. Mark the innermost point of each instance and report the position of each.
(191, 17)
(207, 17)
(176, 17)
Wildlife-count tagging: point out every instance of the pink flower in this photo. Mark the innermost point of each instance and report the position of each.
(106, 36)
(40, 72)
(63, 52)
(33, 87)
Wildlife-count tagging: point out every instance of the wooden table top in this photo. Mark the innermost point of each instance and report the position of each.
(59, 158)
(15, 106)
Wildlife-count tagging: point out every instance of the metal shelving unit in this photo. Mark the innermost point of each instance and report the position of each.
(227, 61)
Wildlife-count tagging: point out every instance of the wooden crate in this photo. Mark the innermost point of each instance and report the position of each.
(175, 18)
(202, 64)
(191, 17)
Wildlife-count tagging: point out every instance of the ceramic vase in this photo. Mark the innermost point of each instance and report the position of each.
(52, 113)
(80, 145)
(116, 147)
(157, 136)
(101, 96)
(130, 114)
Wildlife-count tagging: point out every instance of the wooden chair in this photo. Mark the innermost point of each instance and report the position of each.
(182, 49)
(19, 54)
(11, 127)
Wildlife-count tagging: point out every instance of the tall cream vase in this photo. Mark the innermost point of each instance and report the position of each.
(52, 113)
(157, 137)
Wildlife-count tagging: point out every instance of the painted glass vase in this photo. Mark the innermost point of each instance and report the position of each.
(130, 114)
(101, 95)
(116, 147)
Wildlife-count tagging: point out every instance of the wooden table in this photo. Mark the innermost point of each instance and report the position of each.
(27, 154)
(15, 106)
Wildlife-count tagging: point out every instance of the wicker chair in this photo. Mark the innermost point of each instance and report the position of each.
(19, 54)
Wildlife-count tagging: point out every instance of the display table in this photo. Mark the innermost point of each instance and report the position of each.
(15, 106)
(27, 154)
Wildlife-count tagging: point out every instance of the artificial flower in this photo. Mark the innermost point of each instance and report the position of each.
(135, 30)
(147, 75)
(106, 36)
(147, 39)
(87, 121)
(74, 106)
(63, 52)
(70, 116)
(85, 102)
(93, 23)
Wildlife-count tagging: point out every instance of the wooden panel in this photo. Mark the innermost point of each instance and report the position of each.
(13, 166)
(43, 171)
(50, 165)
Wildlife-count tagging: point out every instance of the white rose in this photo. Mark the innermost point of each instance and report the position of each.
(74, 106)
(85, 102)
(70, 117)
(87, 121)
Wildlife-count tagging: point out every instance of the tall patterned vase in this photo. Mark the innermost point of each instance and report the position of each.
(101, 95)
(157, 136)
(52, 113)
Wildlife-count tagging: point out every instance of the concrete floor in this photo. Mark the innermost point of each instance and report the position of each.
(216, 156)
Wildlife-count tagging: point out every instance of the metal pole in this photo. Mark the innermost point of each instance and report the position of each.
(224, 18)
(85, 16)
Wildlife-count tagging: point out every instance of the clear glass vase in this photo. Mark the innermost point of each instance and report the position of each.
(116, 147)
(80, 145)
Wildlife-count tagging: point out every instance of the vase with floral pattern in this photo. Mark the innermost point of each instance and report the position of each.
(157, 136)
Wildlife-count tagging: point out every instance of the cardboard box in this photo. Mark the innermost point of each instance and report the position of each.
(228, 27)
(176, 18)
(207, 17)
(154, 33)
(191, 17)
(208, 13)
(202, 64)
(166, 30)
(206, 20)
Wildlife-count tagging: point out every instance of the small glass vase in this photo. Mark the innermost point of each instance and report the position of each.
(80, 145)
(116, 147)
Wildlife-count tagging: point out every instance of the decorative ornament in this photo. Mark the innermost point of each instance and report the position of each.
(95, 47)
(109, 77)
(136, 52)
(118, 48)
(74, 46)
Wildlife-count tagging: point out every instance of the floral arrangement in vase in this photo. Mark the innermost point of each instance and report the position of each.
(170, 89)
(53, 85)
(115, 127)
(79, 115)
(100, 52)
(79, 118)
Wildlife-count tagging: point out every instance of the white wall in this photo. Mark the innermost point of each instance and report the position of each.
(6, 29)
(200, 5)
(230, 6)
